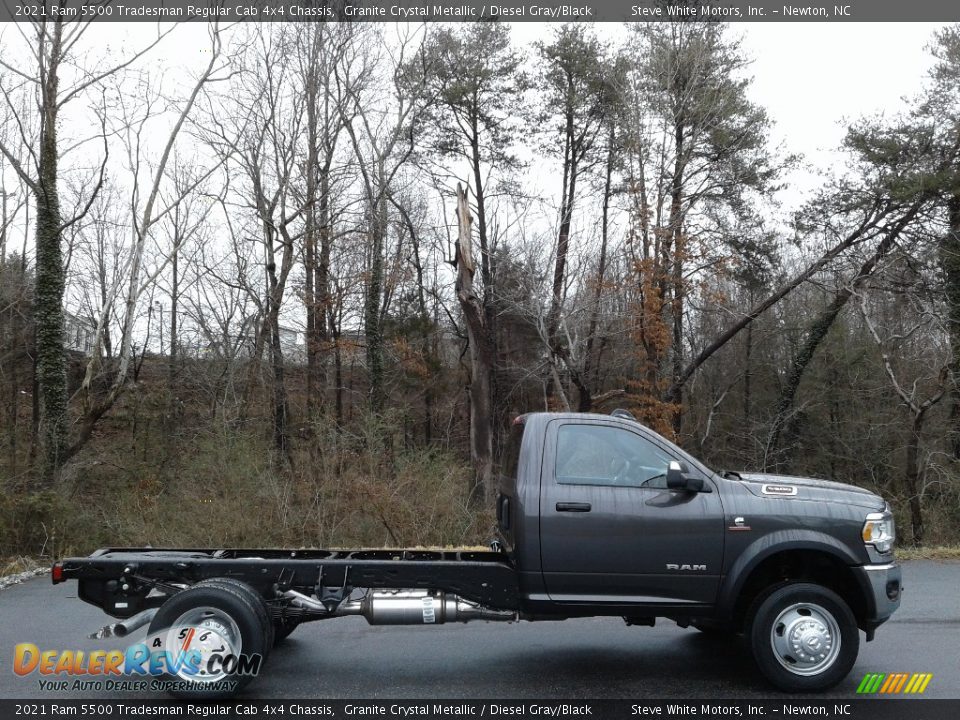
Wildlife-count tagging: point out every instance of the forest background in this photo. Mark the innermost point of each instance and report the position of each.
(234, 311)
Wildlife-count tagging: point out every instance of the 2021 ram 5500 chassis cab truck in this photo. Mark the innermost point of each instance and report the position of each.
(596, 515)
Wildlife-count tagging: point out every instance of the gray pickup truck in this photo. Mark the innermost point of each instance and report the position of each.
(596, 515)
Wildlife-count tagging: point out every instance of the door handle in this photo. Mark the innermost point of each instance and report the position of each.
(573, 507)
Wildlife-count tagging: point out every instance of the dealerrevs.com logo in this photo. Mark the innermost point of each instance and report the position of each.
(894, 683)
(182, 658)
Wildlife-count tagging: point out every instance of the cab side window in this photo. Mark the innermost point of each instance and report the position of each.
(606, 455)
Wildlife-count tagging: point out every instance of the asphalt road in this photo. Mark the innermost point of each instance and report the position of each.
(589, 658)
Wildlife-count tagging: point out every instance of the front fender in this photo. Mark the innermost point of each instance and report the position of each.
(768, 546)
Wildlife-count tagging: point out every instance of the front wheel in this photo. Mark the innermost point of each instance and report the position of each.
(804, 637)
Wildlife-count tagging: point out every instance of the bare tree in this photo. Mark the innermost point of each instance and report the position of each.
(148, 207)
(697, 149)
(576, 90)
(261, 138)
(319, 48)
(916, 403)
(51, 46)
(382, 136)
(481, 355)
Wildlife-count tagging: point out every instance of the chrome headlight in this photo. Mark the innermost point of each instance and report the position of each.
(879, 531)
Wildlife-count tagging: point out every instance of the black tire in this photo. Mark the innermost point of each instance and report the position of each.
(282, 629)
(226, 604)
(794, 632)
(256, 600)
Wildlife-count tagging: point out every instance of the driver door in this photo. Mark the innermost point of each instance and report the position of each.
(610, 530)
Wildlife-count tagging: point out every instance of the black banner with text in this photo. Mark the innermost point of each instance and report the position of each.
(470, 10)
(839, 708)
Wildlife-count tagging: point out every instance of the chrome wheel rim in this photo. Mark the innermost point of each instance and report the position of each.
(805, 639)
(213, 635)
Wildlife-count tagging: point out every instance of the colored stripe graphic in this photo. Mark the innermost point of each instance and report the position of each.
(894, 683)
(901, 683)
(912, 684)
(862, 687)
(888, 683)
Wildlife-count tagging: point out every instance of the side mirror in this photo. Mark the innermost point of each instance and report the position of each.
(676, 480)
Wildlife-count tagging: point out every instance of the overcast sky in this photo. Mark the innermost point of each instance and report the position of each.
(812, 78)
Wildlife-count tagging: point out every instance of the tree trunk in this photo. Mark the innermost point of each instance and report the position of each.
(315, 313)
(338, 378)
(568, 195)
(911, 477)
(950, 262)
(748, 374)
(172, 419)
(51, 358)
(281, 409)
(677, 282)
(321, 281)
(585, 403)
(174, 344)
(426, 346)
(490, 349)
(373, 327)
(481, 360)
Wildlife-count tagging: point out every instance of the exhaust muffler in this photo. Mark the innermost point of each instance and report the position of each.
(409, 607)
(419, 607)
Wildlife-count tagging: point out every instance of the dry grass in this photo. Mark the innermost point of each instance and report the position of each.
(937, 552)
(18, 564)
(223, 489)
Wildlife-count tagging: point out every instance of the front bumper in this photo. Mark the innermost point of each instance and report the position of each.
(883, 585)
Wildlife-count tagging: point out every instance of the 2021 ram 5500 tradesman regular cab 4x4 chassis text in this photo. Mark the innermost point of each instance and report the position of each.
(597, 515)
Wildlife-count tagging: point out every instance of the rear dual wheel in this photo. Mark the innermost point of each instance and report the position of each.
(255, 600)
(276, 630)
(214, 638)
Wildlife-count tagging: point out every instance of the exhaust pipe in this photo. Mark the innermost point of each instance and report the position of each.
(125, 627)
(300, 600)
(419, 607)
(407, 607)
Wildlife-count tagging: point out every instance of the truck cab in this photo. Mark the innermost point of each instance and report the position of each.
(601, 515)
(589, 518)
